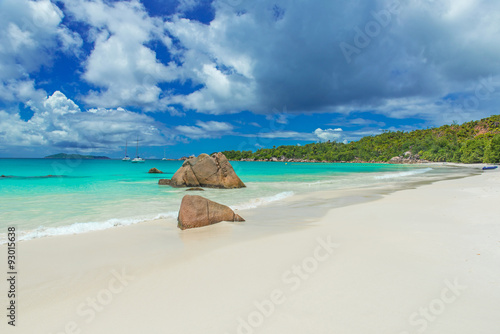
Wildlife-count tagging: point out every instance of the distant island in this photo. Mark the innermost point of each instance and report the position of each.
(75, 156)
(471, 142)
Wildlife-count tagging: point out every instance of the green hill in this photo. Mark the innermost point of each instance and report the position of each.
(75, 156)
(471, 142)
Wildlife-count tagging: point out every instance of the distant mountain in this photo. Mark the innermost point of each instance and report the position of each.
(471, 142)
(75, 156)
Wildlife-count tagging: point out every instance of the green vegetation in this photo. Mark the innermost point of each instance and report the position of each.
(471, 142)
(74, 156)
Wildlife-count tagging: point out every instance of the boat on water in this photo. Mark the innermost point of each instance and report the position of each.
(137, 158)
(164, 154)
(489, 167)
(126, 158)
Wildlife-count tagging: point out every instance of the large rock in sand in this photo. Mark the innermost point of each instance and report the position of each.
(207, 171)
(197, 211)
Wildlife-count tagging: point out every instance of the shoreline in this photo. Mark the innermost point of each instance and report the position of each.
(422, 237)
(338, 195)
(416, 162)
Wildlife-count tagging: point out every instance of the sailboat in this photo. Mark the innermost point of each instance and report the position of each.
(164, 153)
(126, 158)
(137, 158)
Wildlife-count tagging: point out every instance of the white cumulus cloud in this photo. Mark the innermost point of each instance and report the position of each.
(121, 65)
(59, 123)
(210, 129)
(328, 134)
(31, 32)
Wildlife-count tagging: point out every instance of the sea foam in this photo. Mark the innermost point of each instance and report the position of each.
(79, 228)
(256, 202)
(403, 174)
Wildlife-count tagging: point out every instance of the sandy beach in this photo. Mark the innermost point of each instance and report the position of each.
(422, 260)
(249, 167)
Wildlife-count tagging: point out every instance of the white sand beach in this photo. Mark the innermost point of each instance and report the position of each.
(424, 260)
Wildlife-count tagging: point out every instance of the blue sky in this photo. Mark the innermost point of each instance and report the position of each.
(197, 76)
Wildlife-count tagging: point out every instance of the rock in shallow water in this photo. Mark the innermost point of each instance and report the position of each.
(155, 171)
(207, 171)
(197, 211)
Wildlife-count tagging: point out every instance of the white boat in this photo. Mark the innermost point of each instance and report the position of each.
(126, 156)
(137, 158)
(164, 153)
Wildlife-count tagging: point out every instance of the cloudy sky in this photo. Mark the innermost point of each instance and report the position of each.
(198, 76)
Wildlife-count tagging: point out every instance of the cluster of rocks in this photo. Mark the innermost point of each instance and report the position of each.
(407, 158)
(281, 159)
(204, 171)
(274, 159)
(360, 161)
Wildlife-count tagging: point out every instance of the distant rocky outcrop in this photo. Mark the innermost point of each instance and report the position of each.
(76, 156)
(408, 158)
(197, 211)
(396, 160)
(206, 171)
(155, 171)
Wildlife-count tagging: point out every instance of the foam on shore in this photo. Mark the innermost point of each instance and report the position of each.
(403, 174)
(254, 203)
(79, 228)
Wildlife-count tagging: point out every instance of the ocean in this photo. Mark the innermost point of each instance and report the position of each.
(47, 197)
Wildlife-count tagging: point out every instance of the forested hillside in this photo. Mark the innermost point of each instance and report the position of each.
(471, 142)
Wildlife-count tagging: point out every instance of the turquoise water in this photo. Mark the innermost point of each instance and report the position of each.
(50, 197)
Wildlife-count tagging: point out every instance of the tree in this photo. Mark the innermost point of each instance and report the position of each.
(492, 153)
(473, 151)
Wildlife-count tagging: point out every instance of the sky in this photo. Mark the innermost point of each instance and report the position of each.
(183, 77)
